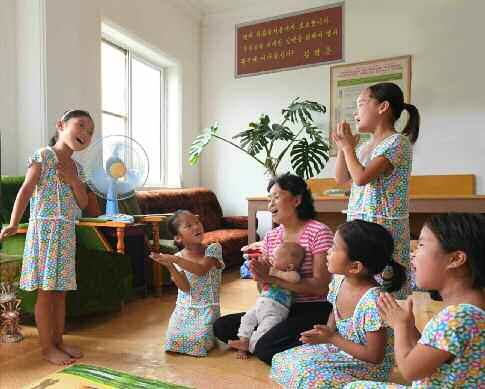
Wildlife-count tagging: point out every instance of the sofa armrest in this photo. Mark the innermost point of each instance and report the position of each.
(238, 222)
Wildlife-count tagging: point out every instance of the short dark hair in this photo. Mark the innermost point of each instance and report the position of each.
(373, 246)
(462, 232)
(70, 114)
(173, 224)
(297, 187)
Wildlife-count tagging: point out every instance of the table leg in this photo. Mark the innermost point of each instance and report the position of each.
(251, 222)
(120, 244)
(156, 267)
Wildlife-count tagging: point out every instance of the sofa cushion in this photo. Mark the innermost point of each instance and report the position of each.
(230, 239)
(200, 201)
(9, 187)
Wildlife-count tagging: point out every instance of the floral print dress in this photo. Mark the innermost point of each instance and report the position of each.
(326, 366)
(190, 327)
(385, 200)
(50, 245)
(459, 330)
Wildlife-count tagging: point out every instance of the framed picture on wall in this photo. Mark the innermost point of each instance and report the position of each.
(347, 81)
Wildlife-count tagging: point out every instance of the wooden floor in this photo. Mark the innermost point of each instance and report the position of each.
(132, 341)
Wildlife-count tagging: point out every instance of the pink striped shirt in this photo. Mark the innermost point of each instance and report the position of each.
(316, 238)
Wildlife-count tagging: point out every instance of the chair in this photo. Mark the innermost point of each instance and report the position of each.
(104, 277)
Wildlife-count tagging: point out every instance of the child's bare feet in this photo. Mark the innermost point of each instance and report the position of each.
(72, 351)
(241, 344)
(57, 357)
(242, 354)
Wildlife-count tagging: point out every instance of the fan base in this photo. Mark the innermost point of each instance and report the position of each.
(118, 217)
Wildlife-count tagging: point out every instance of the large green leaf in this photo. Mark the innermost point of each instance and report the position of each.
(296, 133)
(307, 159)
(315, 133)
(300, 111)
(200, 142)
(279, 132)
(255, 138)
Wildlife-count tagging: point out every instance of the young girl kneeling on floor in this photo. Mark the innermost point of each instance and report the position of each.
(196, 270)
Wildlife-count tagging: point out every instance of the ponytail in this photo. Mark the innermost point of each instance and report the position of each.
(412, 126)
(392, 93)
(393, 276)
(53, 140)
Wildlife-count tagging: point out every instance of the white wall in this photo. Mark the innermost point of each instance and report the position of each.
(72, 60)
(445, 38)
(8, 87)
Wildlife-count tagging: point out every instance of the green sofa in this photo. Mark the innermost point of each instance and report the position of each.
(104, 279)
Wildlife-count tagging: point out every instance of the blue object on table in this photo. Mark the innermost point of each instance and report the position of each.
(244, 271)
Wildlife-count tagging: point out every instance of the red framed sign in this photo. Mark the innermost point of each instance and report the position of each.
(307, 38)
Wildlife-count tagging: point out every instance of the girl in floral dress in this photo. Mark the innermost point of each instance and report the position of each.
(54, 185)
(450, 353)
(379, 170)
(196, 270)
(355, 342)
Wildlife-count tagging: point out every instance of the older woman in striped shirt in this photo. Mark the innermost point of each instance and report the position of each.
(291, 206)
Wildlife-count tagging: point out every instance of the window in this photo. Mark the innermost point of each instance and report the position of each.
(134, 104)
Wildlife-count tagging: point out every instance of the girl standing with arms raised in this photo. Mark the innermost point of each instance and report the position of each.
(379, 170)
(56, 192)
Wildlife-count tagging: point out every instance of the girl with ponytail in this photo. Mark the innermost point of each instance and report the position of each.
(355, 342)
(379, 169)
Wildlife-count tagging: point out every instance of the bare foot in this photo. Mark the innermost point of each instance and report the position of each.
(241, 344)
(57, 357)
(72, 351)
(242, 354)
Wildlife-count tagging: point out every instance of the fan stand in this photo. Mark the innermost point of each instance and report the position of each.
(112, 210)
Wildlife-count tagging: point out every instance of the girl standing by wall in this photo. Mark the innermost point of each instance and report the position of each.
(379, 170)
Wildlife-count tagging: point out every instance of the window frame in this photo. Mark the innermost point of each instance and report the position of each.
(130, 55)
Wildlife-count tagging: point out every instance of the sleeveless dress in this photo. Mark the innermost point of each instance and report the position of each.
(326, 366)
(459, 330)
(50, 245)
(385, 200)
(190, 328)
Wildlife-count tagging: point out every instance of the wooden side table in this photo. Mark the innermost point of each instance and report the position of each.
(153, 220)
(120, 232)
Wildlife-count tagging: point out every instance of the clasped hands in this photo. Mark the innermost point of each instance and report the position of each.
(258, 265)
(395, 314)
(343, 138)
(320, 333)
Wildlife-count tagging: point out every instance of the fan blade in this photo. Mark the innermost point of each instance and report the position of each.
(99, 180)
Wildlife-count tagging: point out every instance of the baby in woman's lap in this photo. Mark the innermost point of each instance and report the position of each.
(273, 304)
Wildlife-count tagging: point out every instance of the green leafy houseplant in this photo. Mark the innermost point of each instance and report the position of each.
(296, 133)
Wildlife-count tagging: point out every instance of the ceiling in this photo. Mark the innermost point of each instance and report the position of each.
(206, 7)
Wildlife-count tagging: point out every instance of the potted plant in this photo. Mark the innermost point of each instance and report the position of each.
(268, 143)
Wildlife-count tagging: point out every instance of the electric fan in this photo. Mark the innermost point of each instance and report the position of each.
(116, 166)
